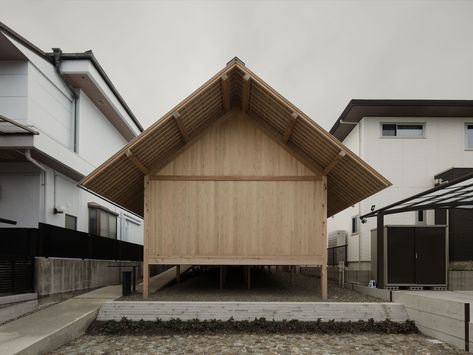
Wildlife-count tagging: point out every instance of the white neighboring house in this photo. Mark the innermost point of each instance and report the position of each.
(62, 118)
(410, 142)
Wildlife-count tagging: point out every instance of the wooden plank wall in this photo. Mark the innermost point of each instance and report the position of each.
(236, 197)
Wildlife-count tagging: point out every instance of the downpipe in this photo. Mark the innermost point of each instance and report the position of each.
(44, 184)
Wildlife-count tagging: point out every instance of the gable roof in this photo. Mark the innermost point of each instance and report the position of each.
(121, 178)
(357, 109)
(88, 55)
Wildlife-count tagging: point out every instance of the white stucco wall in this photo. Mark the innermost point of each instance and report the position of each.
(49, 109)
(14, 89)
(20, 197)
(97, 137)
(409, 163)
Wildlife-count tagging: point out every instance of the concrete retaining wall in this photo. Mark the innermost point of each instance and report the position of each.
(373, 292)
(58, 275)
(303, 311)
(437, 317)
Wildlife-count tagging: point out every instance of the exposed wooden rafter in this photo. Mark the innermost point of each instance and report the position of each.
(136, 162)
(226, 92)
(334, 162)
(180, 125)
(245, 94)
(290, 127)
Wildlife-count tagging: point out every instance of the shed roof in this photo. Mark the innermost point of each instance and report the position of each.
(457, 193)
(120, 178)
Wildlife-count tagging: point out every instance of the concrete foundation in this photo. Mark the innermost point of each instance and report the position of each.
(58, 275)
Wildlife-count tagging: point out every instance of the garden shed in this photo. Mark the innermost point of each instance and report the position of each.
(235, 175)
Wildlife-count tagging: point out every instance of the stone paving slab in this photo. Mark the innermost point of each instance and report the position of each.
(258, 344)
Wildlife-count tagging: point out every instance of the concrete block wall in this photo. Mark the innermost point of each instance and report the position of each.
(460, 280)
(59, 275)
(303, 311)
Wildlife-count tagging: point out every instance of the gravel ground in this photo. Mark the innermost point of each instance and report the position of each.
(265, 287)
(258, 344)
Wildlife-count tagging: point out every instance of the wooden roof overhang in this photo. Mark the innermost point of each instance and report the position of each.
(120, 178)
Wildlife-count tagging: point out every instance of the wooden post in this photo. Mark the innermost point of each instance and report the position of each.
(292, 274)
(178, 273)
(221, 277)
(323, 267)
(248, 278)
(146, 239)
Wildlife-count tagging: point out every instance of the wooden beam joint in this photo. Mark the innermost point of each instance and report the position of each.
(290, 127)
(180, 126)
(245, 95)
(226, 92)
(334, 162)
(136, 162)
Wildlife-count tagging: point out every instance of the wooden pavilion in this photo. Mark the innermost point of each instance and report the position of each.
(235, 175)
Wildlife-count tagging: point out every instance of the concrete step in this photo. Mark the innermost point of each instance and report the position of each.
(54, 326)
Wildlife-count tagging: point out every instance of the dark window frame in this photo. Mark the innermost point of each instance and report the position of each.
(96, 227)
(355, 225)
(399, 127)
(468, 144)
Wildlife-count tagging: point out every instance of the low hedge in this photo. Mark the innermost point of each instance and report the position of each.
(259, 325)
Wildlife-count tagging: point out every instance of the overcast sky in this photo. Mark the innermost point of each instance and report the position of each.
(318, 54)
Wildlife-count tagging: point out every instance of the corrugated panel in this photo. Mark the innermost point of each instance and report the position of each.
(121, 181)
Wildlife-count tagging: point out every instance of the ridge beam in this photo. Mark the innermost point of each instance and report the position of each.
(226, 92)
(334, 162)
(180, 125)
(290, 127)
(245, 94)
(136, 162)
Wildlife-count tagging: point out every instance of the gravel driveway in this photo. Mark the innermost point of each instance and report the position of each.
(258, 344)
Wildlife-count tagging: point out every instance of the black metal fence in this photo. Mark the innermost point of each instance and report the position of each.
(337, 254)
(19, 246)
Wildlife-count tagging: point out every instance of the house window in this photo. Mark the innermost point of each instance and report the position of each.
(354, 225)
(102, 222)
(71, 222)
(402, 130)
(421, 216)
(469, 136)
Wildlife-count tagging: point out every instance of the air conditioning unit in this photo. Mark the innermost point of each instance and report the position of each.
(337, 238)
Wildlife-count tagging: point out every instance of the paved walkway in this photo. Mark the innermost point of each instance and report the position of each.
(51, 327)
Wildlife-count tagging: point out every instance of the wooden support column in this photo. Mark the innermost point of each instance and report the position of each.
(290, 127)
(323, 270)
(248, 277)
(245, 95)
(226, 92)
(146, 238)
(178, 273)
(221, 277)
